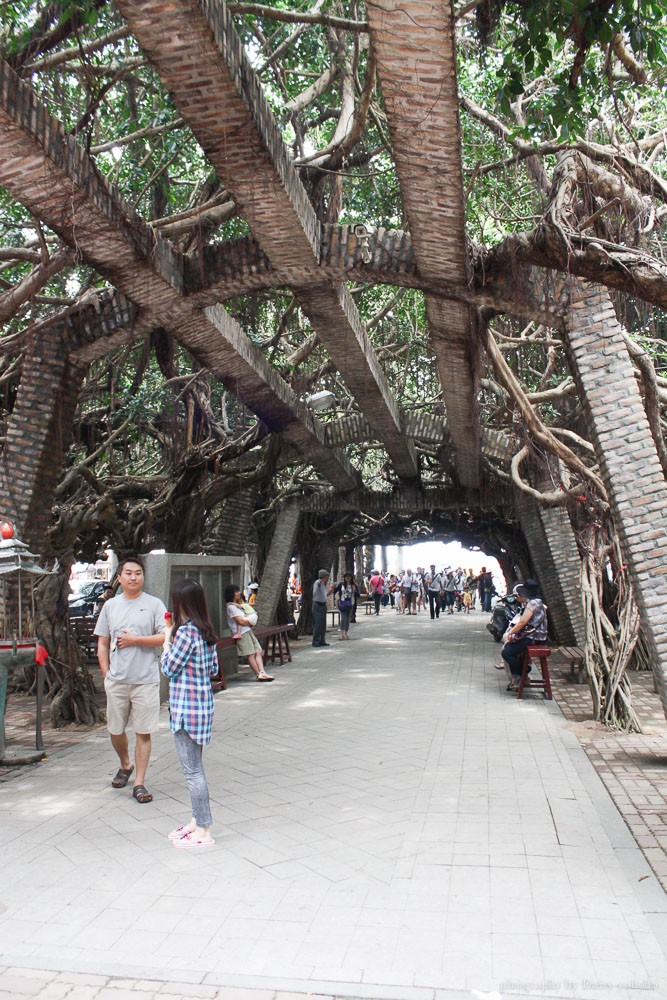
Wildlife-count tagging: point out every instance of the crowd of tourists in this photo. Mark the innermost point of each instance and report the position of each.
(409, 592)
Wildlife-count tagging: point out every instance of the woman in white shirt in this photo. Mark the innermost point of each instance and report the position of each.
(241, 619)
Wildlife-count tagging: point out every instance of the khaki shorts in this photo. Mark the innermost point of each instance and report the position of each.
(138, 702)
(248, 644)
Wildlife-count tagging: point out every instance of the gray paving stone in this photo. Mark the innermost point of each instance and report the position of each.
(389, 822)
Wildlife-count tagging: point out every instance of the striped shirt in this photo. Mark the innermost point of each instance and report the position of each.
(189, 664)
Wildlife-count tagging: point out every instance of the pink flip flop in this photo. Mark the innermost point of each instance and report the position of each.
(190, 841)
(177, 834)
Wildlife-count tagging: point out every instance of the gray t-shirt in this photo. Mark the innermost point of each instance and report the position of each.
(143, 615)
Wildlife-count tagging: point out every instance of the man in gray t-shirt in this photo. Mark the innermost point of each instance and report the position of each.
(129, 629)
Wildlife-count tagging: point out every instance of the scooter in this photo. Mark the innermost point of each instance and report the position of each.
(502, 615)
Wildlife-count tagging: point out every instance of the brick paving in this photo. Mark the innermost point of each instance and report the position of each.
(20, 731)
(633, 766)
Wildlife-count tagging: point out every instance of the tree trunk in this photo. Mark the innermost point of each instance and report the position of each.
(73, 691)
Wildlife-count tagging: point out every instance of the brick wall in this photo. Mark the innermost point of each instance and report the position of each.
(274, 577)
(627, 456)
(38, 435)
(556, 564)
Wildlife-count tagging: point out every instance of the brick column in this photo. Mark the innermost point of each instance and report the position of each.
(627, 457)
(555, 557)
(274, 577)
(38, 436)
(238, 510)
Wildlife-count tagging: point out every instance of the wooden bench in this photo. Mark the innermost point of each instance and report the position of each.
(83, 630)
(277, 636)
(575, 658)
(335, 616)
(219, 681)
(541, 653)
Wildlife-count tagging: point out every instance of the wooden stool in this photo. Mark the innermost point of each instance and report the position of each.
(540, 653)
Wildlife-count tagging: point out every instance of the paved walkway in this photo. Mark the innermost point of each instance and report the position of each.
(390, 823)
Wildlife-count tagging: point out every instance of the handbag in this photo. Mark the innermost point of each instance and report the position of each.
(345, 604)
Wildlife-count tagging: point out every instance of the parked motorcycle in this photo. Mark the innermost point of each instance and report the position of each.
(502, 615)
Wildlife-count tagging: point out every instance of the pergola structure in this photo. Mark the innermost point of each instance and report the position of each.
(152, 285)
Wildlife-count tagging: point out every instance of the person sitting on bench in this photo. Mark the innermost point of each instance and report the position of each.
(529, 630)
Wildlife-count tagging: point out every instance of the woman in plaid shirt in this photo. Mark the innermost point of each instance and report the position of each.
(189, 662)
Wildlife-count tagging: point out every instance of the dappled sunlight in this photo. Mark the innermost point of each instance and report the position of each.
(321, 702)
(376, 675)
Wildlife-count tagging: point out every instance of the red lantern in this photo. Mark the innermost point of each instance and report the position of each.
(6, 530)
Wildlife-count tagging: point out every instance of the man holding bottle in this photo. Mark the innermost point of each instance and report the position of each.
(130, 628)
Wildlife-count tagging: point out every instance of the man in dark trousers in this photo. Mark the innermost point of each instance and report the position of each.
(320, 594)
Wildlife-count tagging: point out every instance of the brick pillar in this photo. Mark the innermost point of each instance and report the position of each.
(38, 435)
(238, 510)
(274, 577)
(627, 456)
(557, 565)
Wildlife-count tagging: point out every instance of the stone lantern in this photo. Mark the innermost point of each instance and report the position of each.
(18, 644)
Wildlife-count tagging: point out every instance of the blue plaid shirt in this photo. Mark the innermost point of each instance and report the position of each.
(189, 664)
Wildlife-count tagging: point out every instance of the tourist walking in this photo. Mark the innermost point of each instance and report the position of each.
(376, 589)
(450, 592)
(346, 593)
(471, 586)
(434, 584)
(241, 617)
(394, 588)
(189, 660)
(406, 591)
(320, 594)
(130, 629)
(485, 589)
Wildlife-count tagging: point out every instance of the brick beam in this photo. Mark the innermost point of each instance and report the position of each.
(427, 427)
(99, 323)
(240, 266)
(203, 64)
(50, 174)
(627, 456)
(107, 319)
(414, 44)
(409, 500)
(39, 433)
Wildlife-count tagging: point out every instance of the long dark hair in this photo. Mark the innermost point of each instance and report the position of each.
(189, 602)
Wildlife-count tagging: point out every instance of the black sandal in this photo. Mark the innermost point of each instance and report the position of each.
(141, 794)
(122, 777)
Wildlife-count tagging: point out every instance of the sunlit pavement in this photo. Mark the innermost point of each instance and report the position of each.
(389, 823)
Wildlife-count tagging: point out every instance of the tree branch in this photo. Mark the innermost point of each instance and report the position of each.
(297, 17)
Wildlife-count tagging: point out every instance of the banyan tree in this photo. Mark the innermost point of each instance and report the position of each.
(444, 225)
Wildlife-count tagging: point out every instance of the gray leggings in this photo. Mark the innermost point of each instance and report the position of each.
(189, 755)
